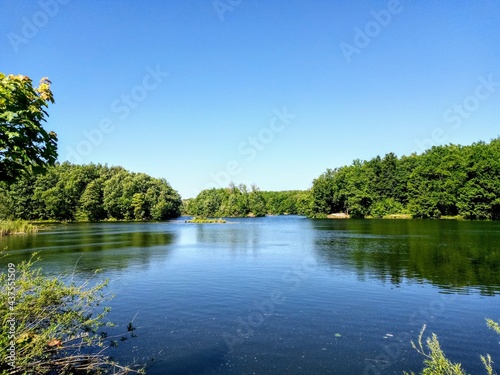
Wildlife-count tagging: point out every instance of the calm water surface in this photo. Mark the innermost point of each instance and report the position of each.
(287, 295)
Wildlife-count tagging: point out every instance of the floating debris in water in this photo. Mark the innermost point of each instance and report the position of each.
(338, 335)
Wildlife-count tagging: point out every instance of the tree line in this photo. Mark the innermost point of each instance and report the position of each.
(67, 192)
(450, 180)
(239, 201)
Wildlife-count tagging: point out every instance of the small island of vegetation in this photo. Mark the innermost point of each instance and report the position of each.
(201, 220)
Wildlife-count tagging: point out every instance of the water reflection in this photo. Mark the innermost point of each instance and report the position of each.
(238, 236)
(87, 247)
(187, 285)
(453, 255)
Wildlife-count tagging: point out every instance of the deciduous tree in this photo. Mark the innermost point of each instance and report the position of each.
(25, 146)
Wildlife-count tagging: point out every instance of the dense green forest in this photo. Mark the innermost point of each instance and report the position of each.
(88, 192)
(449, 180)
(237, 201)
(444, 181)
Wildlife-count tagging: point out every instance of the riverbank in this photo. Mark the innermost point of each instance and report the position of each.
(11, 227)
(342, 215)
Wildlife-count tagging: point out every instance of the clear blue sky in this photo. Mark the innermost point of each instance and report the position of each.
(176, 88)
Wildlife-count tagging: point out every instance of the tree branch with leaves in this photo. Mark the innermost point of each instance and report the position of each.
(25, 146)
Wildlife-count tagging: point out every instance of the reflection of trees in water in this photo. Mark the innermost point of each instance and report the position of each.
(93, 247)
(450, 254)
(239, 238)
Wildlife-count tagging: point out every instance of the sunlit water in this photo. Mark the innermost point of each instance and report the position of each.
(286, 295)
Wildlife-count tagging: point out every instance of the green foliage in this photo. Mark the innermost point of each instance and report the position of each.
(208, 203)
(443, 181)
(292, 202)
(89, 192)
(53, 326)
(436, 362)
(200, 220)
(237, 201)
(257, 202)
(91, 202)
(16, 227)
(327, 193)
(387, 206)
(303, 202)
(25, 147)
(424, 207)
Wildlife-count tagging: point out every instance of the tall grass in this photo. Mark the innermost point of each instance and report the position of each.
(16, 227)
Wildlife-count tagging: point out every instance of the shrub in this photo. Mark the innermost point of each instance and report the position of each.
(388, 206)
(49, 326)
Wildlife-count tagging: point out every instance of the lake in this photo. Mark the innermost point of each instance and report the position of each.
(287, 294)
